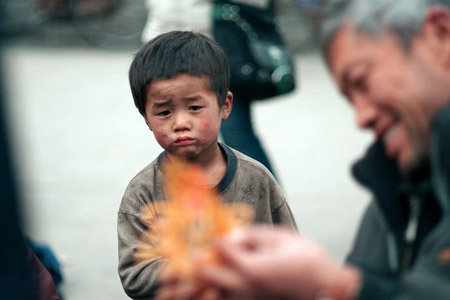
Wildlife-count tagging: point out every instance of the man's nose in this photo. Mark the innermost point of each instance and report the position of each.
(365, 112)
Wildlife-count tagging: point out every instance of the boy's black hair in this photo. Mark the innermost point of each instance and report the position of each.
(177, 52)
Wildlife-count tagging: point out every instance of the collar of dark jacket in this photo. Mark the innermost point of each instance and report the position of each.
(390, 188)
(440, 145)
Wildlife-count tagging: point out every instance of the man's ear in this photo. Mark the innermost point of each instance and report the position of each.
(436, 30)
(227, 106)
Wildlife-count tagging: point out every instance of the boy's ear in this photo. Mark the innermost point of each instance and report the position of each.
(146, 122)
(227, 106)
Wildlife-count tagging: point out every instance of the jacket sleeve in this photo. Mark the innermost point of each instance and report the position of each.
(412, 286)
(374, 255)
(283, 216)
(281, 212)
(139, 279)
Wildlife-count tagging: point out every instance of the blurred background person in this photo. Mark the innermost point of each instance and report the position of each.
(22, 275)
(15, 282)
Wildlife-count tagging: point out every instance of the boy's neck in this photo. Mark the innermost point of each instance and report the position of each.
(213, 163)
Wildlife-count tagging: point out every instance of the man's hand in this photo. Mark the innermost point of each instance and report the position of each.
(272, 262)
(173, 288)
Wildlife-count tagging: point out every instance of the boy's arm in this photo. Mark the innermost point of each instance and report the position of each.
(281, 212)
(139, 280)
(283, 215)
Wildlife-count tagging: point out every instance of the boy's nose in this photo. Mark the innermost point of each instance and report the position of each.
(181, 122)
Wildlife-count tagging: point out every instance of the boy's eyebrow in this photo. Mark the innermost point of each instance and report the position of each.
(160, 103)
(192, 98)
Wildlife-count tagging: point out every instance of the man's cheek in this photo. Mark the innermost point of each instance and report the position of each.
(385, 86)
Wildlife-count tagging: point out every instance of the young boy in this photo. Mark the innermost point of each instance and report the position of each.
(179, 82)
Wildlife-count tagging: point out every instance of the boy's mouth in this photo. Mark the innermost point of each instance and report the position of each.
(184, 141)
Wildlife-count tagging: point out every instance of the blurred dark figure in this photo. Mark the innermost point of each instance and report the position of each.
(15, 282)
(250, 37)
(22, 275)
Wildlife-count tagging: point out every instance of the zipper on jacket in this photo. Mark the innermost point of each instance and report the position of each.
(393, 256)
(411, 231)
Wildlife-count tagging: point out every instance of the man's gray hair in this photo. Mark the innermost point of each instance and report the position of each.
(403, 18)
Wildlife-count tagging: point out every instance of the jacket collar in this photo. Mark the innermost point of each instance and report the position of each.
(390, 187)
(376, 172)
(381, 175)
(440, 158)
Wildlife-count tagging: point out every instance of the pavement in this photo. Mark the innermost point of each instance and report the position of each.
(78, 140)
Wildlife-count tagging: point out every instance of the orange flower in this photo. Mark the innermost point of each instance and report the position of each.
(183, 228)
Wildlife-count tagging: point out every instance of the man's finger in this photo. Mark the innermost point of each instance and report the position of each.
(168, 275)
(248, 236)
(240, 248)
(210, 294)
(182, 290)
(225, 279)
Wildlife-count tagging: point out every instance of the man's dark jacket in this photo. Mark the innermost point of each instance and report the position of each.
(403, 244)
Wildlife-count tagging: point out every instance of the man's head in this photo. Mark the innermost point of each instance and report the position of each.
(174, 53)
(391, 59)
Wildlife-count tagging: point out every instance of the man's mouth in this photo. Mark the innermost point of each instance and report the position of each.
(389, 140)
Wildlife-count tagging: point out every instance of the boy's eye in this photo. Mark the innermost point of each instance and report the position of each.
(163, 113)
(195, 107)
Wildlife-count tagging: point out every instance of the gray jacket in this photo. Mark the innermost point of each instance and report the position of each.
(403, 244)
(246, 180)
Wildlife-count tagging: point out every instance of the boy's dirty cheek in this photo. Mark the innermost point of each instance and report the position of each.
(208, 130)
(160, 138)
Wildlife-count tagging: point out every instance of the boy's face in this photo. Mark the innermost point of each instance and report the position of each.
(184, 115)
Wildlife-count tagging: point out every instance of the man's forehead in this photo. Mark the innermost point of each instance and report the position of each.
(349, 46)
(343, 48)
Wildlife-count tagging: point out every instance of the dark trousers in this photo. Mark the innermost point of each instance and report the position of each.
(238, 132)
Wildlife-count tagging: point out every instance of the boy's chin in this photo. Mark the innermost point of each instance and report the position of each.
(184, 154)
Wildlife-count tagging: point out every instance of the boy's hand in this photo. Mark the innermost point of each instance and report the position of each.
(172, 288)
